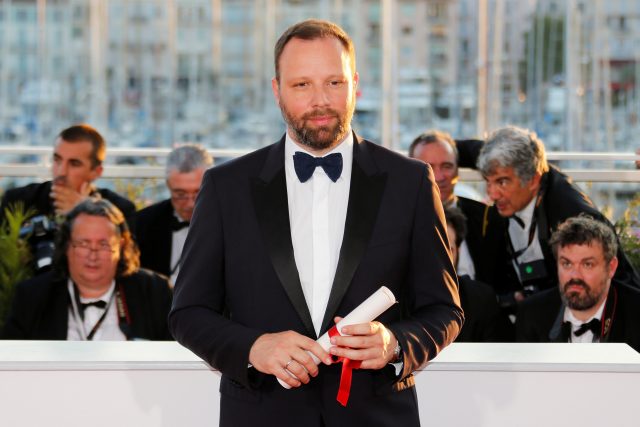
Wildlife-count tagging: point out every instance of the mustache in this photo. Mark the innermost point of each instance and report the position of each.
(320, 113)
(575, 282)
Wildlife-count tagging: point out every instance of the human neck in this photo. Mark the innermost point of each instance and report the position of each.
(315, 151)
(584, 315)
(93, 291)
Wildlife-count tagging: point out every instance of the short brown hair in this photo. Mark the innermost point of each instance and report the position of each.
(584, 230)
(313, 29)
(86, 133)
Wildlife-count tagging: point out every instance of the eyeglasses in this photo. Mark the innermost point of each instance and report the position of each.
(182, 196)
(83, 248)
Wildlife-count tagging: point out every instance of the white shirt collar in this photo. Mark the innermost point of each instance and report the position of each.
(569, 317)
(104, 297)
(526, 214)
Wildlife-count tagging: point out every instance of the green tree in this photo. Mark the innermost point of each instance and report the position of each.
(15, 256)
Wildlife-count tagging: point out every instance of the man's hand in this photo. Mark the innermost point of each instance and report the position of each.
(280, 352)
(65, 198)
(371, 343)
(638, 161)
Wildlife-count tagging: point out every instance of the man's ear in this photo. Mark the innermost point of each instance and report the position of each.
(613, 266)
(96, 173)
(534, 183)
(275, 87)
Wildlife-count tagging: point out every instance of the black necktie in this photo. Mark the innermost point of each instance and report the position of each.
(305, 165)
(594, 326)
(177, 225)
(99, 303)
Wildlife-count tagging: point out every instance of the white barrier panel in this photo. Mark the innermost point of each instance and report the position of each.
(162, 384)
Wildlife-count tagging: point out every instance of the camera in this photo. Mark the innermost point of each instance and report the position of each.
(39, 232)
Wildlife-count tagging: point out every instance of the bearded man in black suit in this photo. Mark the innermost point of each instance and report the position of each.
(161, 228)
(279, 248)
(95, 290)
(588, 305)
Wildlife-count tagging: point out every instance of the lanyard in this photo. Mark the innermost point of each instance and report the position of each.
(78, 315)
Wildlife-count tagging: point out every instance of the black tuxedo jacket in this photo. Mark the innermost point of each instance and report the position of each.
(560, 200)
(154, 236)
(484, 321)
(239, 280)
(40, 308)
(36, 196)
(485, 240)
(540, 316)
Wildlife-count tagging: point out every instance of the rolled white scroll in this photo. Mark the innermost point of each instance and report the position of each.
(367, 311)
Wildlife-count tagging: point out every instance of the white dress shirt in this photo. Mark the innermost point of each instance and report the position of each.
(520, 236)
(177, 243)
(575, 324)
(317, 214)
(109, 330)
(465, 262)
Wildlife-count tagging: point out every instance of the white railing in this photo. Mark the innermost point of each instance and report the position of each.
(155, 158)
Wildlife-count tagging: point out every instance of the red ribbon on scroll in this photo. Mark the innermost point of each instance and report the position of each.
(345, 377)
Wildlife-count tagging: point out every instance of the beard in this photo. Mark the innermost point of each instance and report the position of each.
(579, 300)
(322, 137)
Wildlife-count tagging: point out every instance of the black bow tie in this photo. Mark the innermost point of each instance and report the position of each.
(305, 165)
(177, 225)
(99, 303)
(594, 326)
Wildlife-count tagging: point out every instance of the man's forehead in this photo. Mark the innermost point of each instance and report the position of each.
(585, 250)
(75, 148)
(499, 172)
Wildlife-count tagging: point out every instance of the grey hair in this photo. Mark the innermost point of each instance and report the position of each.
(188, 158)
(514, 147)
(584, 230)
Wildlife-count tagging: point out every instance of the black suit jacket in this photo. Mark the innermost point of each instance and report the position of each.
(40, 308)
(239, 261)
(36, 196)
(154, 236)
(540, 316)
(561, 199)
(484, 321)
(485, 240)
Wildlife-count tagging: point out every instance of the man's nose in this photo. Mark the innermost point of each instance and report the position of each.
(493, 192)
(320, 96)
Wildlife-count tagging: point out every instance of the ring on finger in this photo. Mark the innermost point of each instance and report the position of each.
(288, 363)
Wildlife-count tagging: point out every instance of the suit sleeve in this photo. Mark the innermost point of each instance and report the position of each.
(432, 305)
(197, 318)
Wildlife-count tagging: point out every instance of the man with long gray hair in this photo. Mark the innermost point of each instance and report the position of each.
(535, 197)
(161, 229)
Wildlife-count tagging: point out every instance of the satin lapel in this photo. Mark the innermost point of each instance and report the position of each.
(365, 194)
(269, 192)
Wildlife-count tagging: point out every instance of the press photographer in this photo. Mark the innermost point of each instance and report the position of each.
(78, 155)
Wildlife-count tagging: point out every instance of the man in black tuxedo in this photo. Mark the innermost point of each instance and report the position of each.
(78, 155)
(587, 305)
(484, 321)
(483, 246)
(95, 290)
(161, 228)
(278, 249)
(535, 197)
